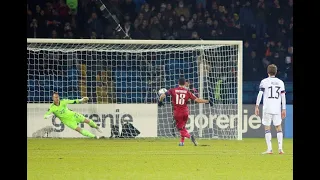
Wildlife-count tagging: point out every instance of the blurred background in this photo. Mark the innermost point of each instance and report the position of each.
(265, 26)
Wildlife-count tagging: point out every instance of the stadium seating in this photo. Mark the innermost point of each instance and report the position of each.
(113, 84)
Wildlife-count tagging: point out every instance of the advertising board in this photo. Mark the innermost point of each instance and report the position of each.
(219, 121)
(142, 116)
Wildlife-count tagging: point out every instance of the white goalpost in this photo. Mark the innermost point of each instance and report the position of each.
(122, 78)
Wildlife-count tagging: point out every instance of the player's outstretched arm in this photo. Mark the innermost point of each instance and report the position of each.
(77, 101)
(162, 97)
(198, 100)
(48, 114)
(160, 103)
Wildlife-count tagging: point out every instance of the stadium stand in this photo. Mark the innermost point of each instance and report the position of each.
(265, 26)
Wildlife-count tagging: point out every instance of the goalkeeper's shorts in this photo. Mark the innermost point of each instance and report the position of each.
(74, 120)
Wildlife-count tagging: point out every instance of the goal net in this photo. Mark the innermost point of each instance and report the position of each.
(125, 75)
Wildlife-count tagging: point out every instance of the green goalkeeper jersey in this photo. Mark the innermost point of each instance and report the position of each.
(62, 111)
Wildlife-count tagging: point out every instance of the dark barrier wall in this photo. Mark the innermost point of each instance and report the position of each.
(289, 122)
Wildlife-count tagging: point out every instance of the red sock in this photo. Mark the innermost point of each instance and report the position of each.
(182, 139)
(184, 133)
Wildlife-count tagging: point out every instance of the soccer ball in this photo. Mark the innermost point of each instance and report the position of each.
(161, 91)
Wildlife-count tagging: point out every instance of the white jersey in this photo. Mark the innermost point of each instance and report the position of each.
(272, 88)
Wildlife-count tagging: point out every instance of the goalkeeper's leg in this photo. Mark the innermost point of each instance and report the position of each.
(92, 124)
(73, 124)
(81, 119)
(86, 133)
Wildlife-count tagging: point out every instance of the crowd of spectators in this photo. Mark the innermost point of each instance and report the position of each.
(265, 26)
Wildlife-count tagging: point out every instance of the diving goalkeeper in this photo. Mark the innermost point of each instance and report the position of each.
(68, 117)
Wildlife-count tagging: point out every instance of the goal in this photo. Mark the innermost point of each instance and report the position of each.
(122, 78)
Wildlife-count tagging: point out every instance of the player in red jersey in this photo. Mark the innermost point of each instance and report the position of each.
(180, 96)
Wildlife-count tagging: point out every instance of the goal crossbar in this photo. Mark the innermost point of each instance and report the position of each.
(133, 41)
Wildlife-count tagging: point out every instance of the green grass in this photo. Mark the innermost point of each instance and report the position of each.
(149, 159)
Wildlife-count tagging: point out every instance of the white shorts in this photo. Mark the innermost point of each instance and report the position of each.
(274, 118)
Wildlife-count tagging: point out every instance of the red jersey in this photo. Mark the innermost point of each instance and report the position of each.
(180, 96)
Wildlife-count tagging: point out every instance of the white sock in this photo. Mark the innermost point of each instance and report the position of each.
(280, 138)
(268, 139)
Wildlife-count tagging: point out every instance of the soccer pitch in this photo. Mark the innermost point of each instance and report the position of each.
(137, 159)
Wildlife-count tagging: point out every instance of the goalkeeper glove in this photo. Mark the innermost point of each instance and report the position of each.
(160, 103)
(84, 99)
(48, 116)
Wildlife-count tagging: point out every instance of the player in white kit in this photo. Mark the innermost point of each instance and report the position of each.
(274, 106)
